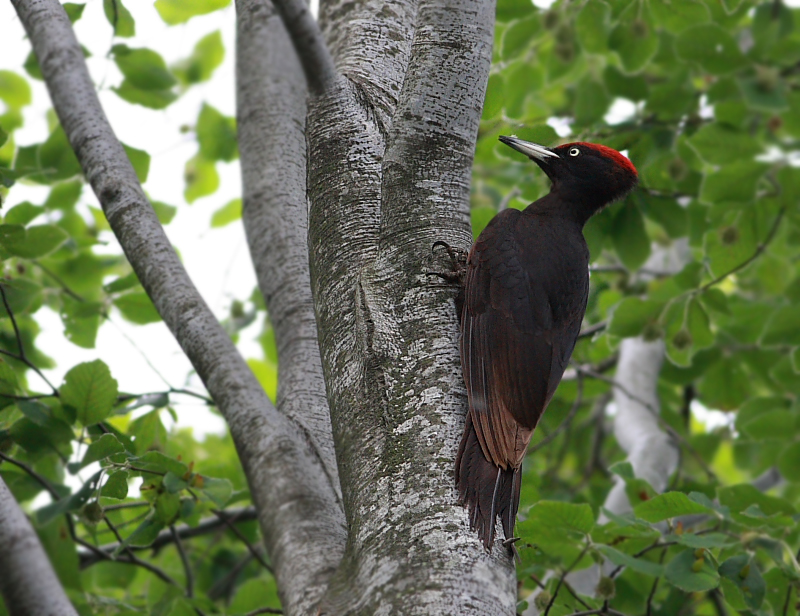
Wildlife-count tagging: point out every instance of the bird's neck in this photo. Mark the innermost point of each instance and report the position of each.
(571, 206)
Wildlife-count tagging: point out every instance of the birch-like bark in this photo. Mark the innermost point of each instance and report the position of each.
(297, 510)
(382, 192)
(271, 116)
(28, 583)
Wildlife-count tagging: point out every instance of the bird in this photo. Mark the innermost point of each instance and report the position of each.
(523, 300)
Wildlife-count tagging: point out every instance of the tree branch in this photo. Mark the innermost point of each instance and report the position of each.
(285, 478)
(28, 583)
(271, 110)
(311, 49)
(371, 43)
(165, 537)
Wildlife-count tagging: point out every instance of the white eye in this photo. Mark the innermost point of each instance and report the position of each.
(574, 151)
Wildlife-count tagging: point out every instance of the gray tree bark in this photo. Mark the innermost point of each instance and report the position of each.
(298, 510)
(28, 583)
(390, 156)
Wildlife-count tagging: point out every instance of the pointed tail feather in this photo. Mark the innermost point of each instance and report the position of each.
(486, 489)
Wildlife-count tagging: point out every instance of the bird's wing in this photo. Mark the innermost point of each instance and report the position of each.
(511, 351)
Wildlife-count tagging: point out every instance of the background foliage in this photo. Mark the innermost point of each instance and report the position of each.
(706, 99)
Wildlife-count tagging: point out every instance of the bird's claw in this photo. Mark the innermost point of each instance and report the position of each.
(457, 256)
(509, 545)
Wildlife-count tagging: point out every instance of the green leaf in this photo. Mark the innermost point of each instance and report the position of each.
(667, 505)
(789, 462)
(64, 196)
(179, 11)
(626, 560)
(148, 432)
(518, 36)
(14, 90)
(144, 535)
(167, 507)
(217, 490)
(207, 55)
(740, 497)
(592, 26)
(90, 389)
(550, 525)
(153, 99)
(71, 503)
(591, 101)
(81, 321)
(735, 182)
(513, 9)
(634, 39)
(783, 327)
(164, 212)
(201, 178)
(728, 247)
(120, 18)
(495, 97)
(678, 15)
(744, 573)
(709, 540)
(216, 135)
(711, 46)
(680, 572)
(74, 11)
(140, 161)
(23, 213)
(143, 68)
(618, 84)
(629, 236)
(116, 486)
(137, 308)
(228, 213)
(123, 283)
(633, 315)
(105, 446)
(34, 242)
(721, 145)
(57, 161)
(157, 462)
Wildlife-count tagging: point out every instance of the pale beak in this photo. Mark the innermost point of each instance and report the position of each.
(531, 150)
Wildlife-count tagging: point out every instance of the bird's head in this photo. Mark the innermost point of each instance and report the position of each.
(587, 173)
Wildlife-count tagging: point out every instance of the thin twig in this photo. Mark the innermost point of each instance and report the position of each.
(655, 586)
(135, 560)
(759, 249)
(165, 538)
(60, 282)
(561, 579)
(187, 567)
(232, 526)
(22, 357)
(265, 610)
(593, 329)
(34, 475)
(600, 610)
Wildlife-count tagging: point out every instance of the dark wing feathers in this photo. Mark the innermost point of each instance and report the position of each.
(522, 312)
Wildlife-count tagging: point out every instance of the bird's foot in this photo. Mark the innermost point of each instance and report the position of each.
(512, 549)
(458, 258)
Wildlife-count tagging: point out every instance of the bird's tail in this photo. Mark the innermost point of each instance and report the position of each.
(488, 490)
